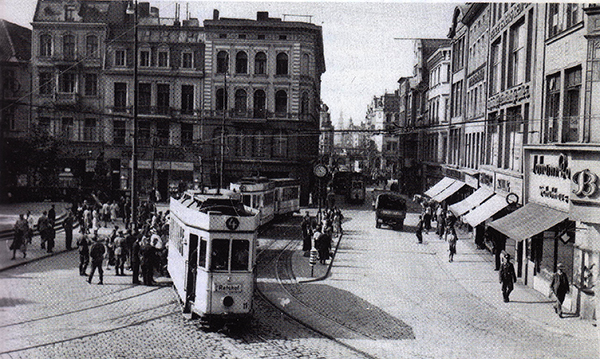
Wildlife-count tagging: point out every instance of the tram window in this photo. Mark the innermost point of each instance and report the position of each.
(268, 198)
(202, 255)
(255, 201)
(220, 254)
(239, 254)
(247, 199)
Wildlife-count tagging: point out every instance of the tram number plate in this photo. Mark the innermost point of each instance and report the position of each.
(229, 287)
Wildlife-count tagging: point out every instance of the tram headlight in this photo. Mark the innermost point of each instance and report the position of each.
(228, 301)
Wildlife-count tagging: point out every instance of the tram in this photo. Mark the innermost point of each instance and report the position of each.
(212, 253)
(258, 193)
(356, 188)
(287, 196)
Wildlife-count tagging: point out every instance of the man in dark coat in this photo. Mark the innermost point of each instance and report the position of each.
(507, 277)
(135, 260)
(147, 261)
(52, 215)
(419, 231)
(306, 232)
(323, 245)
(68, 227)
(97, 251)
(43, 224)
(84, 254)
(560, 288)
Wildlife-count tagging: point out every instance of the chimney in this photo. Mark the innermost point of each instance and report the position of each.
(262, 15)
(215, 14)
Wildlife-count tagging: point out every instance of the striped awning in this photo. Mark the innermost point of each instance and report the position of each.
(472, 201)
(528, 221)
(449, 191)
(486, 210)
(439, 187)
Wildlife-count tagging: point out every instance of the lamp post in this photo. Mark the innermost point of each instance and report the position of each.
(225, 95)
(133, 11)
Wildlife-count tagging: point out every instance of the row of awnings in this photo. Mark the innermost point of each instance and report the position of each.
(482, 204)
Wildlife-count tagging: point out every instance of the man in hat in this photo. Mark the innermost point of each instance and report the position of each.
(560, 287)
(97, 251)
(507, 277)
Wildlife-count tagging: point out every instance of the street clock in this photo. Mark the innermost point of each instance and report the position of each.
(320, 171)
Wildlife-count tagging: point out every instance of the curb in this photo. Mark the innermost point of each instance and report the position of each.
(324, 276)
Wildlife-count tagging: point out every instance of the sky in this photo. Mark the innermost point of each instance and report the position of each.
(367, 45)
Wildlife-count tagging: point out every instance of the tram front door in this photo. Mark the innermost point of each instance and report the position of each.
(192, 269)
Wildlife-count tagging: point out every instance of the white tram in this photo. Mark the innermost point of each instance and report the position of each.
(258, 193)
(212, 253)
(287, 196)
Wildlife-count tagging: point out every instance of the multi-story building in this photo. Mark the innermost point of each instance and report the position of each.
(15, 112)
(382, 116)
(326, 137)
(269, 70)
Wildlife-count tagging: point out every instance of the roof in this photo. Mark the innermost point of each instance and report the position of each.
(15, 42)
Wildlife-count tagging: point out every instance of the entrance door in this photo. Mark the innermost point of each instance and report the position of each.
(192, 269)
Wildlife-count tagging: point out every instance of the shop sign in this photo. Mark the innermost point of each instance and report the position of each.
(182, 166)
(162, 165)
(507, 184)
(550, 180)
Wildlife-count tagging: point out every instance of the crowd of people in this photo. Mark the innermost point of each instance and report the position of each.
(445, 223)
(319, 232)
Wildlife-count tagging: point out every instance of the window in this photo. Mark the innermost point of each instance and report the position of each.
(304, 103)
(91, 46)
(518, 38)
(163, 58)
(259, 144)
(240, 254)
(144, 98)
(552, 108)
(187, 99)
(572, 104)
(304, 65)
(69, 13)
(162, 133)
(240, 102)
(120, 58)
(187, 134)
(8, 113)
(280, 144)
(69, 47)
(241, 36)
(120, 93)
(572, 14)
(119, 132)
(187, 60)
(260, 63)
(66, 127)
(222, 36)
(496, 70)
(66, 82)
(220, 254)
(282, 64)
(91, 84)
(261, 37)
(282, 37)
(281, 103)
(202, 253)
(46, 84)
(144, 133)
(553, 19)
(45, 45)
(162, 98)
(221, 100)
(222, 59)
(144, 58)
(260, 104)
(89, 129)
(44, 124)
(241, 63)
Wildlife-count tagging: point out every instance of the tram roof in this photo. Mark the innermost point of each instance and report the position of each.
(226, 202)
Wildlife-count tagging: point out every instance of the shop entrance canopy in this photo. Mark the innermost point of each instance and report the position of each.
(449, 191)
(487, 209)
(472, 201)
(528, 221)
(439, 187)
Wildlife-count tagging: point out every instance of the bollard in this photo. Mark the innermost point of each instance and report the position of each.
(313, 259)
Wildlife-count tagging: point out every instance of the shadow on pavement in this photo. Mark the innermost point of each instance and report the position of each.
(13, 302)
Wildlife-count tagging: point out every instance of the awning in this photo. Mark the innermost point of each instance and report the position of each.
(472, 201)
(449, 191)
(528, 221)
(439, 187)
(487, 209)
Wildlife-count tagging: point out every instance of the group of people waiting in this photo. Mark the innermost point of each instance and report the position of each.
(318, 234)
(24, 230)
(445, 224)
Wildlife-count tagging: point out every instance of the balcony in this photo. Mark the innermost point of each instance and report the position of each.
(66, 98)
(250, 114)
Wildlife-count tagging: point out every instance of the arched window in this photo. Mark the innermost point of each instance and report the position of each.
(282, 64)
(222, 62)
(260, 99)
(69, 46)
(91, 46)
(241, 63)
(221, 100)
(304, 104)
(281, 103)
(240, 102)
(260, 63)
(304, 64)
(46, 45)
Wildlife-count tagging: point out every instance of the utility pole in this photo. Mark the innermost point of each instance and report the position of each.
(225, 95)
(134, 161)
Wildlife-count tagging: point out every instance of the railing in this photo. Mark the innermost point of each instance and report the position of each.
(257, 114)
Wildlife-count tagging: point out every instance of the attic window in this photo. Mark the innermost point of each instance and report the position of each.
(282, 37)
(222, 36)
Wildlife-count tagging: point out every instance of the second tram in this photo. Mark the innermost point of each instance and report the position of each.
(287, 196)
(258, 193)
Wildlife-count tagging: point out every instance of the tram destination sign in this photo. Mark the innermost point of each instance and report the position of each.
(228, 287)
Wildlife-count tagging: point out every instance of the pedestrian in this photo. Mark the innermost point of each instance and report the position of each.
(440, 220)
(419, 231)
(451, 245)
(97, 251)
(147, 261)
(135, 260)
(50, 239)
(87, 219)
(114, 211)
(306, 232)
(507, 277)
(120, 253)
(52, 215)
(323, 245)
(31, 226)
(338, 217)
(84, 254)
(68, 227)
(43, 224)
(559, 287)
(427, 213)
(105, 213)
(449, 223)
(19, 242)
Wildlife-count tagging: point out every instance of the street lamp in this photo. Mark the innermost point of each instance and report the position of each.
(132, 10)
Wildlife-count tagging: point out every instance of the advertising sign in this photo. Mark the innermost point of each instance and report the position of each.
(550, 180)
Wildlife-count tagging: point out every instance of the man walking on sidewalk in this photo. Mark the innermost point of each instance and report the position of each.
(560, 288)
(96, 255)
(84, 254)
(68, 227)
(507, 277)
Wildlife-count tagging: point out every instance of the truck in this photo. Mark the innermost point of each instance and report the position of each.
(390, 209)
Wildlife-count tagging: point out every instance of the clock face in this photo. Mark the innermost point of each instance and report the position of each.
(320, 171)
